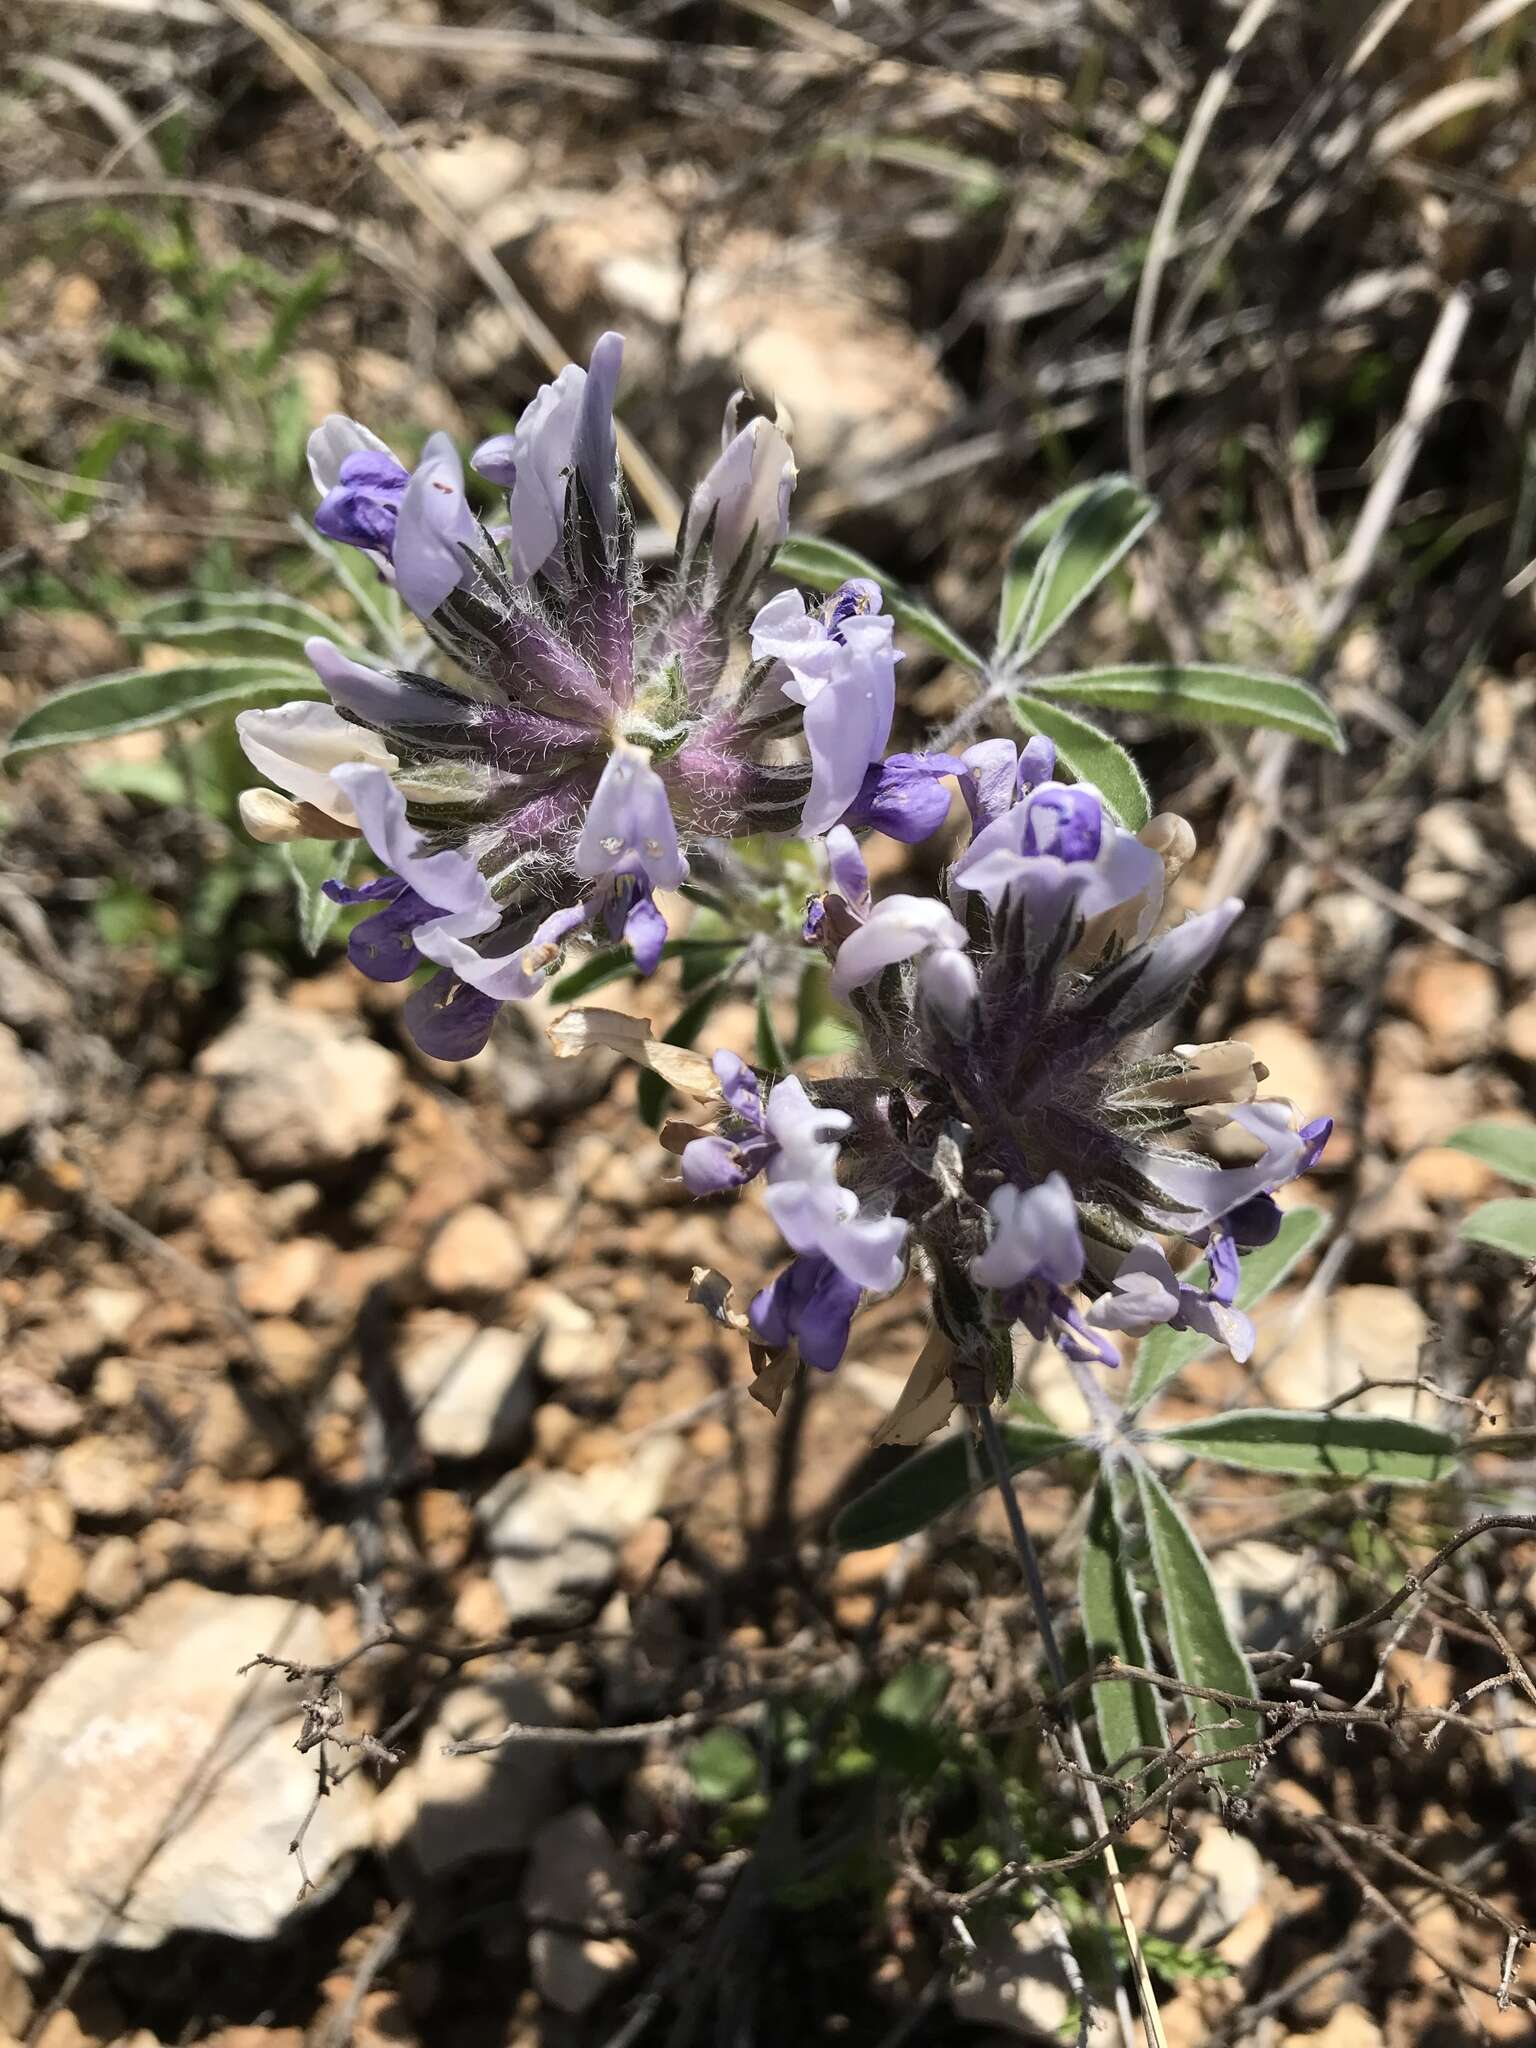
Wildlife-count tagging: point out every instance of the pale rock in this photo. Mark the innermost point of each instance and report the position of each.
(570, 1343)
(1411, 1109)
(472, 1389)
(29, 999)
(291, 1353)
(37, 1408)
(1014, 1980)
(803, 325)
(112, 1579)
(298, 1093)
(314, 371)
(554, 1538)
(104, 1478)
(1355, 1333)
(225, 1434)
(1297, 1070)
(445, 1811)
(1351, 2026)
(477, 1252)
(281, 1280)
(55, 1575)
(113, 1311)
(1517, 929)
(115, 1384)
(19, 1971)
(1456, 1004)
(1351, 928)
(475, 170)
(572, 1972)
(25, 1096)
(1205, 1897)
(148, 1761)
(577, 1876)
(16, 1537)
(1520, 1031)
(1272, 1596)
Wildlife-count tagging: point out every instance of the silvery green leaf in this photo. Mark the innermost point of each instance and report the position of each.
(934, 1479)
(1062, 555)
(1507, 1226)
(135, 699)
(1091, 755)
(311, 863)
(1197, 693)
(1331, 1444)
(1205, 1651)
(1510, 1149)
(1130, 1715)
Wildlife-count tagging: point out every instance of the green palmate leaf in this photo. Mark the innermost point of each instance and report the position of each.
(723, 1766)
(1205, 1651)
(1199, 694)
(311, 863)
(1331, 1445)
(933, 1480)
(1091, 755)
(138, 698)
(915, 1694)
(1510, 1149)
(821, 1022)
(1062, 555)
(825, 566)
(1163, 1352)
(1130, 1716)
(1508, 1226)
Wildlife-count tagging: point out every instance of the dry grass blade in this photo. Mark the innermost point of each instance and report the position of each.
(308, 66)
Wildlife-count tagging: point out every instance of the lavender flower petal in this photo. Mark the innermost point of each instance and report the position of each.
(434, 527)
(379, 698)
(333, 441)
(898, 928)
(1035, 1236)
(747, 494)
(448, 1020)
(811, 1302)
(629, 828)
(904, 796)
(533, 464)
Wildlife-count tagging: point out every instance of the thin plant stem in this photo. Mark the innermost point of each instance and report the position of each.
(1029, 1561)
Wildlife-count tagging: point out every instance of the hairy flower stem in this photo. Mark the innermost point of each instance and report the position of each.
(998, 1459)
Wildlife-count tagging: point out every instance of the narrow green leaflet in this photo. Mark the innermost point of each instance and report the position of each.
(1091, 755)
(1507, 1226)
(825, 566)
(771, 1056)
(1205, 1651)
(1201, 694)
(933, 1480)
(137, 698)
(1163, 1352)
(1062, 555)
(1130, 1715)
(1510, 1149)
(311, 863)
(1331, 1445)
(177, 616)
(229, 634)
(378, 602)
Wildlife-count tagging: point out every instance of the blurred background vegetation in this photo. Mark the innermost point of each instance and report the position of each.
(1277, 262)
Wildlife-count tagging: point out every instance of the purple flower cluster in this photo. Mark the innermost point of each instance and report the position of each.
(1013, 1136)
(570, 742)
